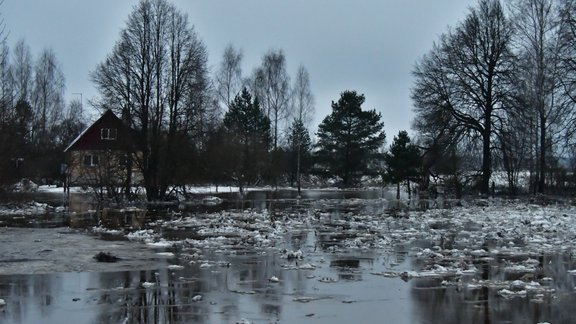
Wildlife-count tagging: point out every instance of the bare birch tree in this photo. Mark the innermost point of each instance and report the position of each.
(302, 97)
(150, 77)
(303, 111)
(538, 30)
(6, 89)
(47, 95)
(22, 72)
(567, 62)
(271, 85)
(229, 76)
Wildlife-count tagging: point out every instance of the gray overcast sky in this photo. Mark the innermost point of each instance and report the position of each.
(368, 45)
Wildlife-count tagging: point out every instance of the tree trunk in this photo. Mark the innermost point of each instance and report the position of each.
(542, 157)
(128, 182)
(398, 191)
(486, 161)
(298, 171)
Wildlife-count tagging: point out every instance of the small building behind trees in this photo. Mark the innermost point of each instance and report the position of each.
(105, 155)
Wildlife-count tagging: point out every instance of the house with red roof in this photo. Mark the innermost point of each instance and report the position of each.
(106, 154)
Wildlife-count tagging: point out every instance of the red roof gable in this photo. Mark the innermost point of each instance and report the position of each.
(120, 136)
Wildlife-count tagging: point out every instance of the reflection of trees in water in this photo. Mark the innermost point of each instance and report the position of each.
(169, 300)
(248, 276)
(252, 273)
(271, 310)
(556, 266)
(113, 219)
(296, 282)
(29, 294)
(42, 290)
(298, 239)
(125, 218)
(458, 304)
(400, 256)
(451, 305)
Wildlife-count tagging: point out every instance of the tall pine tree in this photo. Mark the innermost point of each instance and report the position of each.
(349, 139)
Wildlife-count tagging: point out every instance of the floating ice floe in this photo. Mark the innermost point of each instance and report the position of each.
(274, 279)
(25, 209)
(511, 294)
(306, 266)
(206, 265)
(211, 201)
(161, 243)
(147, 284)
(104, 230)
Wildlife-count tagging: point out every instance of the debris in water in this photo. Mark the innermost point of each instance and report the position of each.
(351, 263)
(293, 255)
(386, 274)
(106, 257)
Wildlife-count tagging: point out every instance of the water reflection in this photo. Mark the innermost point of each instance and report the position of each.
(438, 304)
(333, 283)
(239, 286)
(468, 302)
(232, 290)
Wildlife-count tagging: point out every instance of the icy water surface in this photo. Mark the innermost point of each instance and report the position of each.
(240, 292)
(329, 257)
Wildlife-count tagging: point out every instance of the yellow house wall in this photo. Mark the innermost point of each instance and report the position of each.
(109, 170)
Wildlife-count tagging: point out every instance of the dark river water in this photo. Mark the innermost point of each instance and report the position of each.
(330, 284)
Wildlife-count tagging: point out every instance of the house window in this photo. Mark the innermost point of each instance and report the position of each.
(108, 134)
(91, 160)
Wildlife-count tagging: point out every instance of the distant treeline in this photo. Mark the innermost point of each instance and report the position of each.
(495, 92)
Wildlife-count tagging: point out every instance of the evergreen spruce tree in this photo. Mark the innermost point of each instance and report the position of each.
(349, 139)
(248, 139)
(299, 148)
(402, 162)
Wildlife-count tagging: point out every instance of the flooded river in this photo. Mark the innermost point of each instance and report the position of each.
(327, 257)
